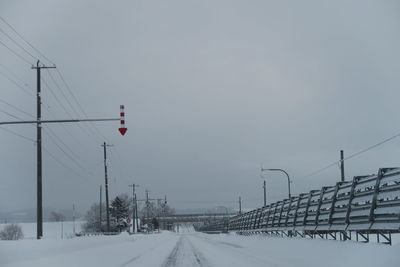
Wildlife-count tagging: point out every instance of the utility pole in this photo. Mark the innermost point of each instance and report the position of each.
(342, 165)
(136, 212)
(165, 206)
(134, 215)
(147, 205)
(104, 145)
(265, 193)
(73, 218)
(100, 210)
(39, 210)
(240, 205)
(39, 122)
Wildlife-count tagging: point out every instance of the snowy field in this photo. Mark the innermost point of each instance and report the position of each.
(51, 230)
(189, 248)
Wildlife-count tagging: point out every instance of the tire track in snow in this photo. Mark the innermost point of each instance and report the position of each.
(130, 261)
(235, 250)
(146, 251)
(172, 258)
(185, 254)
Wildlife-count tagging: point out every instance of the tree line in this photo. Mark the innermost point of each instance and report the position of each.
(121, 211)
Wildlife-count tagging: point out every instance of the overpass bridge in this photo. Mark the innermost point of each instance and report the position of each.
(195, 218)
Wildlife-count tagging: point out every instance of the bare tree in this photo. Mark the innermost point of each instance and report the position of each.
(92, 218)
(57, 216)
(11, 232)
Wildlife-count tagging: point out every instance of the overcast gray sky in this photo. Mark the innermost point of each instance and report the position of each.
(211, 88)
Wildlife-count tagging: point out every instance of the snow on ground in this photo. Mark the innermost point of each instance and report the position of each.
(188, 248)
(52, 230)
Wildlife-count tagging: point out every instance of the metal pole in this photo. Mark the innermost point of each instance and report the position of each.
(106, 186)
(133, 209)
(147, 206)
(240, 205)
(39, 204)
(73, 218)
(136, 214)
(39, 210)
(342, 165)
(100, 206)
(287, 175)
(265, 193)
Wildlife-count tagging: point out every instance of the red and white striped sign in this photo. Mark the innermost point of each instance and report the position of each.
(123, 129)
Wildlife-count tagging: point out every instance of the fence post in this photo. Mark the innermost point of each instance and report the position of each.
(353, 186)
(319, 204)
(334, 197)
(288, 211)
(381, 172)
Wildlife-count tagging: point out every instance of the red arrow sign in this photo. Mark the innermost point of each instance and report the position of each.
(122, 130)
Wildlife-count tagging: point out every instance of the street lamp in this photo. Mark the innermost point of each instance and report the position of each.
(265, 189)
(280, 170)
(226, 219)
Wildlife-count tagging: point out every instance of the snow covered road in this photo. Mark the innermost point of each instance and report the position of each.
(194, 249)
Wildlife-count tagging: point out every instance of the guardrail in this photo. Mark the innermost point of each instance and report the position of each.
(366, 205)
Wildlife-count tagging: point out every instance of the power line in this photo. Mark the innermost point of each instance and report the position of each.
(56, 98)
(62, 93)
(59, 73)
(61, 104)
(48, 128)
(15, 75)
(16, 108)
(353, 155)
(60, 162)
(26, 41)
(65, 153)
(79, 105)
(31, 94)
(70, 92)
(11, 115)
(17, 84)
(70, 104)
(16, 53)
(20, 46)
(17, 134)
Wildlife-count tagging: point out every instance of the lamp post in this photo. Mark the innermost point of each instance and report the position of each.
(280, 170)
(264, 188)
(226, 219)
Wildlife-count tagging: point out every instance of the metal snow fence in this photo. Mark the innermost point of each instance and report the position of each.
(366, 205)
